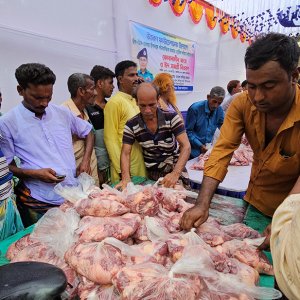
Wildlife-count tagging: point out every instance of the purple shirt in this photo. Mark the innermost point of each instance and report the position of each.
(43, 143)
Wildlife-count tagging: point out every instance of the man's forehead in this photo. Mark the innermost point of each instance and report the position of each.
(130, 70)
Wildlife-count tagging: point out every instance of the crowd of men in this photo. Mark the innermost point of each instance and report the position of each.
(140, 131)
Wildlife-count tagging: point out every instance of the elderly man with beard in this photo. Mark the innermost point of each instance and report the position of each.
(203, 118)
(158, 133)
(118, 110)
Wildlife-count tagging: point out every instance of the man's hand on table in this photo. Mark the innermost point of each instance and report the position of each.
(122, 184)
(266, 243)
(170, 180)
(194, 217)
(47, 175)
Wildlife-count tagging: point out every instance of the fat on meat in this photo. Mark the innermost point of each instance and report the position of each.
(97, 262)
(247, 254)
(95, 229)
(100, 207)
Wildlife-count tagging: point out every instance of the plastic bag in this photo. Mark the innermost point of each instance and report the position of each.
(145, 252)
(85, 185)
(98, 262)
(149, 281)
(98, 207)
(56, 229)
(95, 229)
(196, 260)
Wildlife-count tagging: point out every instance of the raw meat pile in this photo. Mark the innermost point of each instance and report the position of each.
(129, 246)
(242, 156)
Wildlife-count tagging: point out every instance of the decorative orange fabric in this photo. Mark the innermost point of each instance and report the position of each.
(155, 2)
(178, 7)
(243, 37)
(224, 25)
(196, 11)
(234, 32)
(211, 17)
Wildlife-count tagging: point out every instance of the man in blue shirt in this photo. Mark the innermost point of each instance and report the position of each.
(202, 120)
(143, 72)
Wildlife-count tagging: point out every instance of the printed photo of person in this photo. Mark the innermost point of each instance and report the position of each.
(142, 56)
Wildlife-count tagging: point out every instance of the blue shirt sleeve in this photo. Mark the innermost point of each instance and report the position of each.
(191, 120)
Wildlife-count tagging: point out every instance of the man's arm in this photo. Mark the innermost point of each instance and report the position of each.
(221, 118)
(45, 175)
(198, 214)
(111, 135)
(185, 149)
(125, 166)
(191, 120)
(85, 165)
(216, 166)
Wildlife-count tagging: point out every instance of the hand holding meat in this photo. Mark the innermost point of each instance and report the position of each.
(194, 217)
(170, 180)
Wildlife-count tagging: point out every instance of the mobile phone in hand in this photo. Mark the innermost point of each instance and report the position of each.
(59, 176)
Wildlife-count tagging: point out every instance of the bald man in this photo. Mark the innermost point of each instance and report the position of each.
(159, 133)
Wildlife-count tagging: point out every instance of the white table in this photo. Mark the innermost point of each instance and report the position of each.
(236, 179)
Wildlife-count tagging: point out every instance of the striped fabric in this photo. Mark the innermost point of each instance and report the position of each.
(159, 149)
(6, 176)
(31, 210)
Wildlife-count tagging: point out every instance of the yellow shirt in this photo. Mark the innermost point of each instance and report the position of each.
(79, 144)
(275, 168)
(285, 246)
(118, 110)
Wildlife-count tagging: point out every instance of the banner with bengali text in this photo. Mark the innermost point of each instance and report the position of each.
(165, 53)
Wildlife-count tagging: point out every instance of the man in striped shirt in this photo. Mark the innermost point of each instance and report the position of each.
(159, 134)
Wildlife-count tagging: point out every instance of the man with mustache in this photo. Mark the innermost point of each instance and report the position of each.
(203, 118)
(269, 115)
(118, 110)
(40, 135)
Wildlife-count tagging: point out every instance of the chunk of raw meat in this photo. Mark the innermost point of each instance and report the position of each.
(66, 205)
(107, 194)
(247, 254)
(152, 281)
(211, 234)
(240, 231)
(95, 229)
(176, 246)
(143, 202)
(88, 290)
(153, 252)
(242, 156)
(100, 207)
(42, 253)
(19, 245)
(98, 262)
(141, 233)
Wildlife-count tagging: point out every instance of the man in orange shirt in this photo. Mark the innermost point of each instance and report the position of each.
(269, 115)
